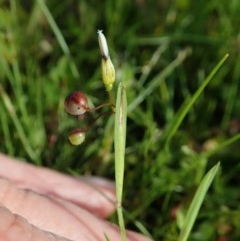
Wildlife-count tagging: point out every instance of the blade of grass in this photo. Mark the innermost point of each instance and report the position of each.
(6, 132)
(15, 79)
(158, 78)
(59, 37)
(25, 141)
(119, 151)
(152, 62)
(196, 203)
(174, 125)
(221, 146)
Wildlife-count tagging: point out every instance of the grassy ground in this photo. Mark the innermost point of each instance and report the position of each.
(162, 52)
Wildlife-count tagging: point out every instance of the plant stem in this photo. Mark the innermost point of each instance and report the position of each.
(112, 100)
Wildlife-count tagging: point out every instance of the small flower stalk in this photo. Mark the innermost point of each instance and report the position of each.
(108, 70)
(76, 104)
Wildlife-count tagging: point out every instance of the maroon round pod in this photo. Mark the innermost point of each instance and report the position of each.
(76, 103)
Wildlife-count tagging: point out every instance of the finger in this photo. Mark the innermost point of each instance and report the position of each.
(97, 198)
(13, 227)
(57, 216)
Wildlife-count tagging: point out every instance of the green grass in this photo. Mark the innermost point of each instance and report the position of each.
(182, 94)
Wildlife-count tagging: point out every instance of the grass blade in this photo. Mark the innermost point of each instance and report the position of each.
(22, 136)
(158, 79)
(196, 203)
(59, 37)
(222, 145)
(174, 125)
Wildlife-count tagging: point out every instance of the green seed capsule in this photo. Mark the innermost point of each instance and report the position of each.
(77, 137)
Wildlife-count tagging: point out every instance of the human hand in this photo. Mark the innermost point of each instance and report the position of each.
(41, 204)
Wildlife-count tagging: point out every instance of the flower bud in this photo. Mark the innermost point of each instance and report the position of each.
(108, 71)
(103, 45)
(77, 137)
(76, 103)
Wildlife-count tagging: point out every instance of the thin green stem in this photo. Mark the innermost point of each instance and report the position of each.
(112, 100)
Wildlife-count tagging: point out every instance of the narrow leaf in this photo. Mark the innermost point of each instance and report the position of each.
(196, 203)
(119, 151)
(174, 125)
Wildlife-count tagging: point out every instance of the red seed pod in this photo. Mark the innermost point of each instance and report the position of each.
(76, 103)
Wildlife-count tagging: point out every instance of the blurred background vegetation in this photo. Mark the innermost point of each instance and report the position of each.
(162, 50)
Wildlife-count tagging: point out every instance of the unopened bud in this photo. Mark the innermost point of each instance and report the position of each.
(103, 45)
(108, 71)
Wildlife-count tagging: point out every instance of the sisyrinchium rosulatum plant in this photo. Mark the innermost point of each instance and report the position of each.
(177, 127)
(76, 104)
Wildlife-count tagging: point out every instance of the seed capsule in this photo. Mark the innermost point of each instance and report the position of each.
(76, 103)
(77, 137)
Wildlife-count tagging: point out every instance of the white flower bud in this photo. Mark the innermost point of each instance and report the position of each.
(103, 45)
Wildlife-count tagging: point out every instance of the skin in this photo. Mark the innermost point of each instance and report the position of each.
(40, 204)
